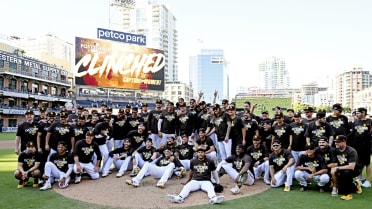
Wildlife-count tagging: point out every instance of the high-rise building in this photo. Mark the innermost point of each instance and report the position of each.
(158, 24)
(273, 74)
(349, 83)
(208, 73)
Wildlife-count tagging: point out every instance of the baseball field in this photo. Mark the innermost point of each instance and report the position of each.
(29, 197)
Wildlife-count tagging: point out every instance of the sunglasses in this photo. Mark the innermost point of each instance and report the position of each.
(276, 145)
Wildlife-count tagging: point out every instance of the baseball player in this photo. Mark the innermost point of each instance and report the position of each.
(167, 123)
(152, 123)
(27, 131)
(260, 159)
(163, 169)
(28, 166)
(102, 133)
(121, 157)
(199, 179)
(207, 142)
(239, 167)
(185, 152)
(143, 154)
(60, 167)
(311, 166)
(83, 153)
(281, 164)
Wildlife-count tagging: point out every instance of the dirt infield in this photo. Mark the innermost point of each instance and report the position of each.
(113, 191)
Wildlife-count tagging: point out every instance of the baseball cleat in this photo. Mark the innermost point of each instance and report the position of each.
(235, 190)
(216, 200)
(366, 184)
(175, 198)
(131, 182)
(160, 185)
(358, 187)
(135, 171)
(334, 191)
(267, 181)
(46, 186)
(347, 197)
(287, 188)
(21, 184)
(120, 174)
(77, 179)
(105, 175)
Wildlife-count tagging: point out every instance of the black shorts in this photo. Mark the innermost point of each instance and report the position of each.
(364, 157)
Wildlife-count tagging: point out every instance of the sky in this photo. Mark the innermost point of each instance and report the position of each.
(315, 38)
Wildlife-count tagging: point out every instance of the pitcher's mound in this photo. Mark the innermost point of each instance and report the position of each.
(113, 191)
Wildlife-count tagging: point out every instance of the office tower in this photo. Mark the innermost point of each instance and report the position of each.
(272, 74)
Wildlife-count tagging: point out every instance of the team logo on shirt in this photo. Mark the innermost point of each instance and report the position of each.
(31, 130)
(184, 119)
(60, 163)
(218, 121)
(30, 161)
(202, 168)
(87, 150)
(361, 129)
(238, 164)
(298, 130)
(280, 132)
(63, 130)
(170, 117)
(279, 160)
(164, 162)
(256, 155)
(312, 165)
(342, 159)
(337, 123)
(319, 131)
(134, 123)
(147, 155)
(138, 139)
(184, 152)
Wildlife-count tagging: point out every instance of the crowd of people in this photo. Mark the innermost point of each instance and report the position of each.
(200, 140)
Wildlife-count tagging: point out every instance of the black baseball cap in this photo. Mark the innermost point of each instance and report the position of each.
(297, 114)
(276, 142)
(51, 114)
(256, 138)
(90, 133)
(63, 115)
(30, 144)
(323, 138)
(158, 101)
(200, 148)
(341, 138)
(29, 112)
(310, 145)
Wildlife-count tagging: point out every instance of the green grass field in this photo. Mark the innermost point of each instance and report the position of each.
(29, 197)
(265, 103)
(7, 136)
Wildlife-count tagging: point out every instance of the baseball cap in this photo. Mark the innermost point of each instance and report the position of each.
(183, 105)
(202, 130)
(240, 146)
(148, 139)
(51, 114)
(29, 112)
(341, 138)
(107, 116)
(63, 143)
(121, 110)
(265, 112)
(231, 107)
(81, 117)
(290, 110)
(63, 115)
(80, 107)
(297, 114)
(128, 106)
(320, 115)
(279, 115)
(256, 138)
(200, 148)
(216, 106)
(30, 144)
(323, 138)
(42, 109)
(276, 142)
(310, 109)
(158, 101)
(134, 109)
(90, 133)
(337, 107)
(202, 103)
(171, 103)
(310, 145)
(192, 100)
(144, 105)
(109, 109)
(362, 109)
(224, 101)
(103, 104)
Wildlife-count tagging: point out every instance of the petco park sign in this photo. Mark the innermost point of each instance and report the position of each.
(120, 36)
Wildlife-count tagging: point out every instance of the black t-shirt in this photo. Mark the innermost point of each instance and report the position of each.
(361, 136)
(85, 151)
(62, 161)
(169, 123)
(80, 131)
(251, 127)
(122, 151)
(280, 160)
(202, 169)
(28, 160)
(220, 125)
(339, 124)
(258, 154)
(27, 132)
(316, 162)
(239, 161)
(153, 118)
(164, 161)
(328, 154)
(282, 132)
(60, 132)
(186, 123)
(118, 129)
(43, 129)
(137, 139)
(207, 143)
(203, 120)
(102, 132)
(298, 136)
(314, 131)
(186, 151)
(146, 153)
(132, 123)
(236, 130)
(349, 155)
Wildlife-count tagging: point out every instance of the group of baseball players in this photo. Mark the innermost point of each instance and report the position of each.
(204, 140)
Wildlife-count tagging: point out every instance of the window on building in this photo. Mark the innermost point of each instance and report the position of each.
(12, 122)
(35, 88)
(24, 69)
(13, 66)
(63, 77)
(45, 89)
(54, 90)
(13, 83)
(1, 63)
(1, 82)
(24, 86)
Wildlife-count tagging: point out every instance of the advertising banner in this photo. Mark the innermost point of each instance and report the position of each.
(112, 64)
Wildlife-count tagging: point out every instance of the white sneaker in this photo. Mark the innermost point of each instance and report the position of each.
(366, 184)
(235, 190)
(46, 186)
(105, 175)
(120, 174)
(267, 181)
(160, 185)
(216, 200)
(175, 198)
(77, 179)
(334, 191)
